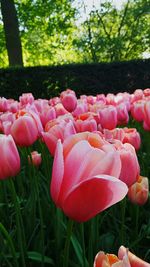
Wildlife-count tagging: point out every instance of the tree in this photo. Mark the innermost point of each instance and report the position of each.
(11, 29)
(114, 35)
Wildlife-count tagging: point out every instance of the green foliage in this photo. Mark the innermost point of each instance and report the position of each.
(50, 33)
(111, 35)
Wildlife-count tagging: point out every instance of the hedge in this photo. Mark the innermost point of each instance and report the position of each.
(90, 79)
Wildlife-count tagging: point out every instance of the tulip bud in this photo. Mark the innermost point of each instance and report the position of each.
(35, 158)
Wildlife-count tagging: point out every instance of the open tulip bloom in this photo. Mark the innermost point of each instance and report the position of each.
(85, 178)
(125, 259)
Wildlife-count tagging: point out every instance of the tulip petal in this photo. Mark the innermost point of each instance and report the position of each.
(133, 259)
(93, 196)
(57, 173)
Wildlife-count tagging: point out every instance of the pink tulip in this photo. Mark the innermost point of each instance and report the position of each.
(137, 110)
(69, 101)
(9, 157)
(24, 130)
(60, 110)
(147, 92)
(26, 98)
(58, 131)
(125, 259)
(35, 158)
(85, 125)
(117, 133)
(133, 259)
(80, 108)
(138, 192)
(108, 117)
(132, 137)
(47, 114)
(122, 114)
(85, 178)
(130, 168)
(147, 113)
(54, 101)
(3, 104)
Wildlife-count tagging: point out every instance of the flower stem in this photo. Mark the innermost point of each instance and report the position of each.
(67, 243)
(19, 223)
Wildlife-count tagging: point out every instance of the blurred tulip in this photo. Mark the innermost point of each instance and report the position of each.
(86, 125)
(147, 113)
(133, 259)
(85, 178)
(60, 110)
(137, 110)
(24, 131)
(26, 98)
(80, 108)
(117, 133)
(125, 259)
(3, 104)
(69, 101)
(35, 158)
(108, 117)
(132, 137)
(147, 92)
(122, 114)
(58, 131)
(47, 114)
(130, 168)
(139, 191)
(9, 157)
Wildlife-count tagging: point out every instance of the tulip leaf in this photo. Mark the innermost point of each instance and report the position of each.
(36, 256)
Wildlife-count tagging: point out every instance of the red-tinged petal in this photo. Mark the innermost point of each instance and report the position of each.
(57, 173)
(93, 196)
(133, 259)
(101, 260)
(50, 141)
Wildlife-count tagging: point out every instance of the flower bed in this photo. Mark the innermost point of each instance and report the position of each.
(74, 180)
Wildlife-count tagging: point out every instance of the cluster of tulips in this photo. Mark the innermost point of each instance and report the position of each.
(94, 153)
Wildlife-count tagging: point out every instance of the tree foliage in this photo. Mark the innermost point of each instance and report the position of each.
(50, 33)
(114, 35)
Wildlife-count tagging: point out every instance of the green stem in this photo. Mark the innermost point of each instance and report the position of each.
(67, 243)
(123, 210)
(19, 223)
(35, 177)
(10, 242)
(83, 243)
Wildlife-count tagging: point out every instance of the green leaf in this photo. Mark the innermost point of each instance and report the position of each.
(36, 256)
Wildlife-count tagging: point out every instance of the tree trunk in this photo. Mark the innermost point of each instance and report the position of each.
(12, 37)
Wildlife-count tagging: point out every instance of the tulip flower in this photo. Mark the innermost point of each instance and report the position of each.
(86, 125)
(85, 178)
(130, 168)
(133, 259)
(35, 158)
(125, 259)
(132, 137)
(122, 114)
(57, 131)
(26, 98)
(137, 110)
(24, 131)
(69, 101)
(9, 157)
(108, 117)
(138, 192)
